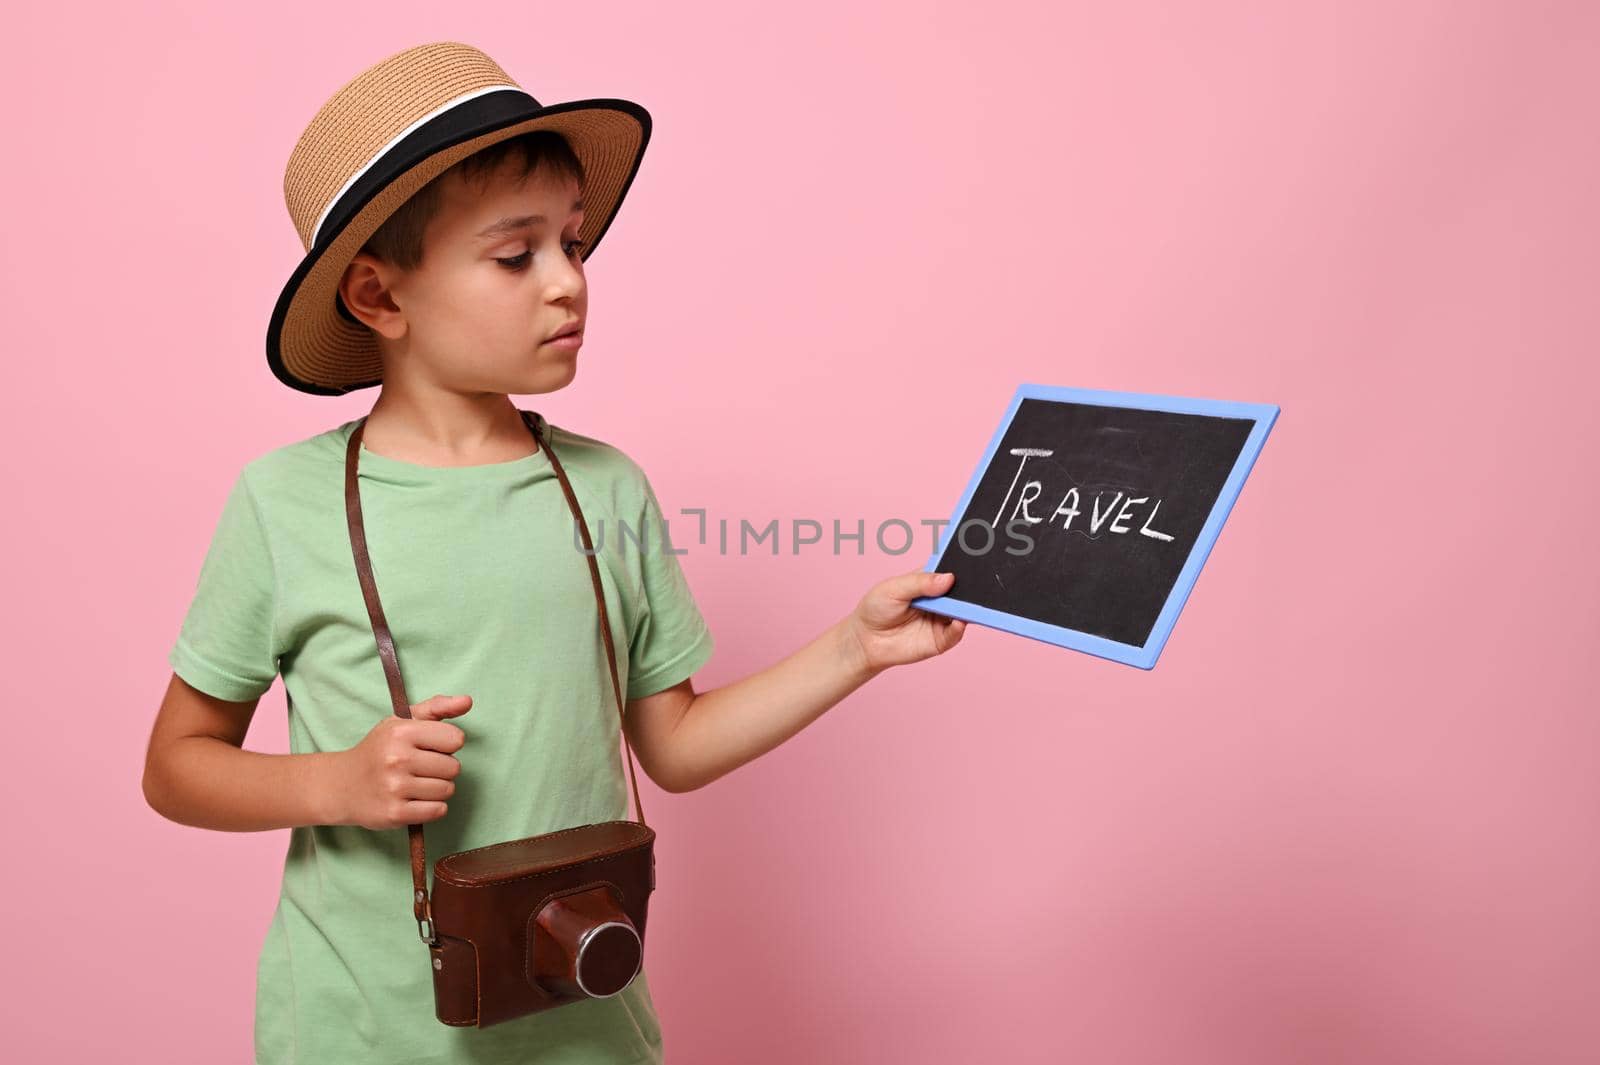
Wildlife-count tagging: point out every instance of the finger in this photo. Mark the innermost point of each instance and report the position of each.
(418, 811)
(441, 706)
(438, 736)
(907, 586)
(945, 633)
(428, 763)
(429, 789)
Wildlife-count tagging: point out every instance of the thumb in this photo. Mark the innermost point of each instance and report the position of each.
(908, 586)
(441, 706)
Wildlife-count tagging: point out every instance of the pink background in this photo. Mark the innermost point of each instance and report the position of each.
(1351, 816)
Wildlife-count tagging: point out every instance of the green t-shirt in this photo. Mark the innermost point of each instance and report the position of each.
(485, 587)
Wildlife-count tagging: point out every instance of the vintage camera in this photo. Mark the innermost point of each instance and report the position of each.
(531, 924)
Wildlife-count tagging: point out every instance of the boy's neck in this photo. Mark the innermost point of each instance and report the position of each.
(447, 428)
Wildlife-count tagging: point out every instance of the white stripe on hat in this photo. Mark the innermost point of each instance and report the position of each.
(396, 139)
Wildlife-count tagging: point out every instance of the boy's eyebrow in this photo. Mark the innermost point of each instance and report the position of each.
(512, 225)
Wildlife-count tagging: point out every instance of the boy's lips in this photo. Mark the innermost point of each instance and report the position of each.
(566, 341)
(567, 330)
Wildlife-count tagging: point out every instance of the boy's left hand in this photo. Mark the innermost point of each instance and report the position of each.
(891, 632)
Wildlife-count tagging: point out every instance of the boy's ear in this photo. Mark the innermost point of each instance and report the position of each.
(365, 291)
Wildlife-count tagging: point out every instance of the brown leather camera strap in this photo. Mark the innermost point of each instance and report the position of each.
(391, 664)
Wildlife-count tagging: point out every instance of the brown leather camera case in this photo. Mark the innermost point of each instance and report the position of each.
(486, 903)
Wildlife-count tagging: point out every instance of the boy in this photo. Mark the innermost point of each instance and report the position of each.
(446, 217)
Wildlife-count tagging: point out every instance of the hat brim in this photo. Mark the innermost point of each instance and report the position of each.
(314, 345)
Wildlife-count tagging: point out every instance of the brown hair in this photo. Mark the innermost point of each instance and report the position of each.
(399, 239)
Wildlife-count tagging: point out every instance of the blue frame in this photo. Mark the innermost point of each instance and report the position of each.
(951, 605)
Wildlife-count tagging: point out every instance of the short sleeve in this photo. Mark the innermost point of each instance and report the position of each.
(226, 646)
(670, 638)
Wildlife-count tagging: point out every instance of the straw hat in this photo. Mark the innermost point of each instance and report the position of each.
(388, 132)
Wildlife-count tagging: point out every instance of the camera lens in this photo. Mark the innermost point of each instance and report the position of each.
(585, 945)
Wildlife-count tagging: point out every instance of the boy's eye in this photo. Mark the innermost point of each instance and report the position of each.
(517, 262)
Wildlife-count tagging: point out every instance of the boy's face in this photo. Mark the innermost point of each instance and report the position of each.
(477, 313)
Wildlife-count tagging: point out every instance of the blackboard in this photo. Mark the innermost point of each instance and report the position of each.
(1089, 517)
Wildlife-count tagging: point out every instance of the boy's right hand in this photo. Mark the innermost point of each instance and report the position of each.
(402, 772)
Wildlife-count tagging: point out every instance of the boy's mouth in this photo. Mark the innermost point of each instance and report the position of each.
(567, 330)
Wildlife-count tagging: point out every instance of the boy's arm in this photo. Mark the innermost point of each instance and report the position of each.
(685, 740)
(196, 772)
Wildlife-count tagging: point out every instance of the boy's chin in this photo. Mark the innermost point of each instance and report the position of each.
(547, 378)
